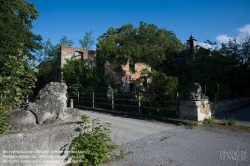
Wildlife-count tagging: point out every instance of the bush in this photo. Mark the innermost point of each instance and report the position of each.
(92, 147)
(4, 119)
(231, 121)
(210, 121)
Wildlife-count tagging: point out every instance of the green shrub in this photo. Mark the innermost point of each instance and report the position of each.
(4, 119)
(231, 121)
(91, 148)
(209, 121)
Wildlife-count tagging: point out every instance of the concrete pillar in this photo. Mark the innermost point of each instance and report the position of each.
(195, 110)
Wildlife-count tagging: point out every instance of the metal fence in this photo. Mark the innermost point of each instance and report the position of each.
(134, 103)
(148, 104)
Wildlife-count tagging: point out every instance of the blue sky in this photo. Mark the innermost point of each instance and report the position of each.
(215, 20)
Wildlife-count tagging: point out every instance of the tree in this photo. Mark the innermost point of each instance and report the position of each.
(17, 79)
(48, 55)
(224, 68)
(80, 77)
(147, 43)
(65, 42)
(88, 41)
(16, 18)
(17, 75)
(160, 83)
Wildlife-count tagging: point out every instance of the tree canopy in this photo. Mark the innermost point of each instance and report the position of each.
(16, 18)
(223, 69)
(88, 41)
(17, 43)
(147, 43)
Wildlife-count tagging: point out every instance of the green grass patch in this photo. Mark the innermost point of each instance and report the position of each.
(209, 121)
(231, 122)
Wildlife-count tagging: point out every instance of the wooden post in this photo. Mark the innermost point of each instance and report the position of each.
(139, 103)
(78, 97)
(1, 99)
(177, 104)
(93, 99)
(112, 98)
(27, 98)
(72, 103)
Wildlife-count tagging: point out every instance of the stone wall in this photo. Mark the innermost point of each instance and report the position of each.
(224, 105)
(124, 76)
(46, 146)
(65, 52)
(195, 110)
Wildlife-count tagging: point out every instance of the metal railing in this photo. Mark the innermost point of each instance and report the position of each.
(135, 103)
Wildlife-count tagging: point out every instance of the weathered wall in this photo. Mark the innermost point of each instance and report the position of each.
(124, 76)
(88, 56)
(195, 110)
(224, 105)
(46, 146)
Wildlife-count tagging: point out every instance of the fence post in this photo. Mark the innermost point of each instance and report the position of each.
(72, 103)
(78, 97)
(93, 99)
(139, 103)
(177, 104)
(112, 98)
(27, 99)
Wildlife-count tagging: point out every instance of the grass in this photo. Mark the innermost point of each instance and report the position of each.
(193, 125)
(231, 122)
(209, 121)
(164, 138)
(180, 124)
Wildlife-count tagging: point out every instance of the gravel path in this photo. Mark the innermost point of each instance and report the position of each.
(160, 144)
(202, 146)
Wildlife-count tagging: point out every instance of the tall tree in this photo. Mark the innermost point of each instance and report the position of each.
(65, 42)
(17, 42)
(16, 18)
(226, 67)
(48, 55)
(88, 41)
(147, 43)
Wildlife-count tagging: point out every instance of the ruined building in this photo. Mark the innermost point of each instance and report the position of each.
(124, 77)
(65, 52)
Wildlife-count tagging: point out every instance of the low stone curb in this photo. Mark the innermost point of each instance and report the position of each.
(144, 142)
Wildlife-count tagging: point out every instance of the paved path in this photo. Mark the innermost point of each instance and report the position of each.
(127, 130)
(202, 146)
(241, 113)
(161, 144)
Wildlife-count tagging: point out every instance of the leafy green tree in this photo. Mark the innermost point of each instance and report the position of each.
(88, 41)
(160, 83)
(17, 45)
(80, 77)
(17, 79)
(48, 55)
(65, 42)
(225, 69)
(16, 18)
(147, 43)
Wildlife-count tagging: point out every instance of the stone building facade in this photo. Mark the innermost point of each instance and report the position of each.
(124, 77)
(66, 52)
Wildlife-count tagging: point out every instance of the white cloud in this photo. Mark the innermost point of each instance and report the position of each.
(223, 38)
(204, 45)
(245, 29)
